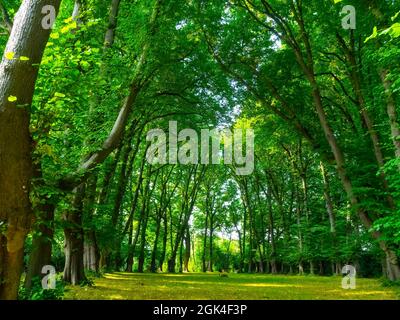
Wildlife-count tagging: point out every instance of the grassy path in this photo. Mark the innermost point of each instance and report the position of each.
(235, 287)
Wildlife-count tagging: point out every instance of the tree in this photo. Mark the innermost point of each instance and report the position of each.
(28, 39)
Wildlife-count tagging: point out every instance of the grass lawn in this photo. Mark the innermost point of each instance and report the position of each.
(199, 286)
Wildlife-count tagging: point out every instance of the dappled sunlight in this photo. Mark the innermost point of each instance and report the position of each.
(118, 277)
(360, 294)
(271, 285)
(131, 286)
(175, 275)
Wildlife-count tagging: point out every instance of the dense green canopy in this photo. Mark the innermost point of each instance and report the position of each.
(77, 191)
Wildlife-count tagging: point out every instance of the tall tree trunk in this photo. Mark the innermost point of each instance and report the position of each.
(43, 230)
(393, 264)
(300, 235)
(211, 247)
(129, 259)
(181, 257)
(28, 38)
(189, 199)
(41, 243)
(330, 210)
(274, 268)
(164, 242)
(113, 141)
(132, 246)
(356, 81)
(153, 264)
(145, 217)
(143, 227)
(112, 23)
(74, 269)
(146, 207)
(91, 251)
(204, 266)
(187, 251)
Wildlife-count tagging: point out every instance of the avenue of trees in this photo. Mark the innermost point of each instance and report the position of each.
(77, 102)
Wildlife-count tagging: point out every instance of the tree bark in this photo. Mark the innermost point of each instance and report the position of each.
(145, 216)
(211, 240)
(112, 23)
(91, 253)
(18, 79)
(129, 259)
(187, 251)
(41, 243)
(186, 210)
(73, 248)
(204, 266)
(164, 243)
(307, 65)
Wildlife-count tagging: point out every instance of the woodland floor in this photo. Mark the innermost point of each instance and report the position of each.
(199, 286)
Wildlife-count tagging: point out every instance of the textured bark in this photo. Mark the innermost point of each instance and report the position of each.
(91, 251)
(74, 268)
(41, 243)
(112, 23)
(17, 78)
(91, 255)
(43, 230)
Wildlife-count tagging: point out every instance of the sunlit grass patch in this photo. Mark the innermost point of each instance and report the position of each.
(209, 286)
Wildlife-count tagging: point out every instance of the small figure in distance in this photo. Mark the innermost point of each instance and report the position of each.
(223, 274)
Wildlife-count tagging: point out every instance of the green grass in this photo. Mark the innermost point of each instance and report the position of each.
(196, 286)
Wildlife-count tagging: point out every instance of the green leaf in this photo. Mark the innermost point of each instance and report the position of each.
(9, 55)
(373, 35)
(395, 30)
